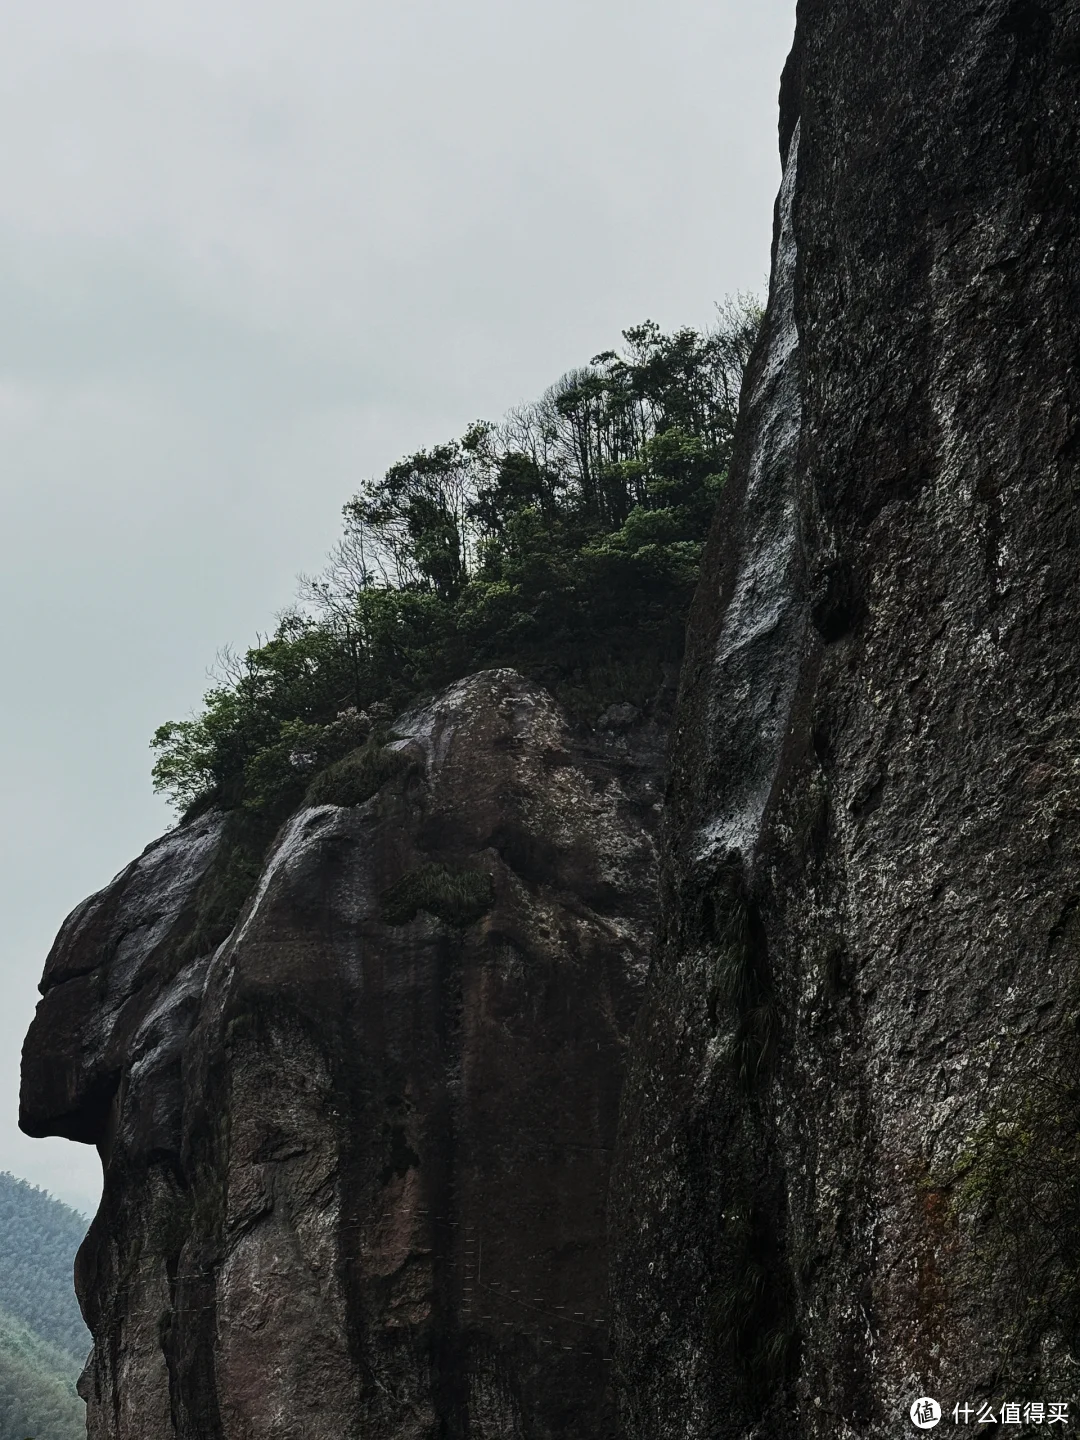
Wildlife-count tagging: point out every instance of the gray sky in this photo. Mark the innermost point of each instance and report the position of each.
(253, 251)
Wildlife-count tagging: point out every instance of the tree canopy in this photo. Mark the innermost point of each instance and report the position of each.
(43, 1341)
(564, 541)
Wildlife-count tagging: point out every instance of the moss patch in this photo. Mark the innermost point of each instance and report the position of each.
(1015, 1195)
(361, 774)
(458, 897)
(229, 881)
(248, 834)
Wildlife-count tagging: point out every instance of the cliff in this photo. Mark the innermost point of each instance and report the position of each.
(848, 1164)
(356, 1157)
(357, 1154)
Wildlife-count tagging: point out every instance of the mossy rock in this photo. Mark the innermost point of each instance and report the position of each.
(458, 897)
(229, 880)
(359, 776)
(1015, 1193)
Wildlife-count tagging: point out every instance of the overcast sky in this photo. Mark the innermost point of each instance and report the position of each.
(252, 251)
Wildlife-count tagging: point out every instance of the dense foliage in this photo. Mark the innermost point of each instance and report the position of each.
(564, 541)
(38, 1240)
(37, 1387)
(43, 1341)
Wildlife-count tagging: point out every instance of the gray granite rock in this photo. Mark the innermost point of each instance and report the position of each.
(848, 1156)
(356, 1159)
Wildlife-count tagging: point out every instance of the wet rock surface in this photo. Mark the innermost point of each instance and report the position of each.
(846, 1172)
(357, 1157)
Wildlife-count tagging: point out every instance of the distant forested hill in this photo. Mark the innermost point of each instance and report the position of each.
(43, 1341)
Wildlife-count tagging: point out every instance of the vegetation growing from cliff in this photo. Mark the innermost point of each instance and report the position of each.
(1015, 1193)
(458, 897)
(43, 1341)
(564, 541)
(749, 1308)
(358, 776)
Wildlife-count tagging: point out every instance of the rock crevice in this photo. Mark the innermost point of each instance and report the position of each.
(864, 990)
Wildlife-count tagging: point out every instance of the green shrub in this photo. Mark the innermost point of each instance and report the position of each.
(564, 542)
(358, 776)
(458, 897)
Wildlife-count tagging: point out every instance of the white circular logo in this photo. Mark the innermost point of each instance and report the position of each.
(925, 1413)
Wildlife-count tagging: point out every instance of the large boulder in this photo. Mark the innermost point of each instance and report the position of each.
(356, 1156)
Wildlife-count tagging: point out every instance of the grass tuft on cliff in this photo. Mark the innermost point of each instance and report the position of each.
(359, 776)
(458, 897)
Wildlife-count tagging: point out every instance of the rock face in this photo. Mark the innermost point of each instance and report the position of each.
(356, 1158)
(847, 1173)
